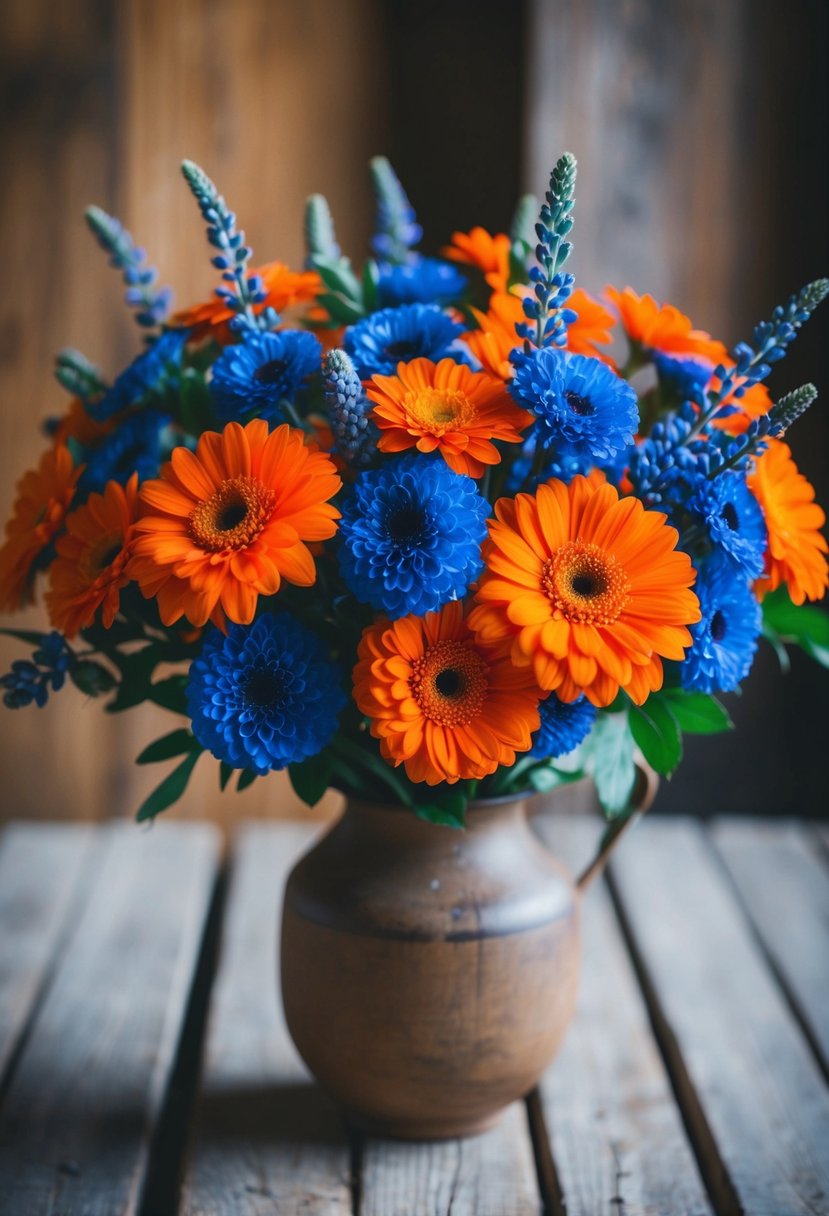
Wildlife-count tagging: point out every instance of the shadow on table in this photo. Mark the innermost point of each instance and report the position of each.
(292, 1112)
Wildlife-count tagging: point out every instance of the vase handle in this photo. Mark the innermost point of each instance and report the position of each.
(644, 792)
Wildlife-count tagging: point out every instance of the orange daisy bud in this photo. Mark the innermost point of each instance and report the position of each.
(440, 703)
(796, 548)
(587, 589)
(662, 327)
(91, 564)
(227, 523)
(445, 407)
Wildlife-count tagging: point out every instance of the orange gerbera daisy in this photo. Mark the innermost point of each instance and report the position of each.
(445, 407)
(495, 338)
(592, 327)
(284, 288)
(227, 523)
(662, 327)
(440, 703)
(79, 425)
(587, 588)
(480, 248)
(43, 498)
(92, 554)
(796, 548)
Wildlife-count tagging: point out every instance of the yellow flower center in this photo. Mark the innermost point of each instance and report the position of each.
(449, 683)
(233, 516)
(440, 409)
(585, 583)
(100, 556)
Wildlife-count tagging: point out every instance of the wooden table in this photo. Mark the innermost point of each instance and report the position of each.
(146, 1067)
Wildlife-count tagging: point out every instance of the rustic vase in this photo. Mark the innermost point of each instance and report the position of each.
(428, 974)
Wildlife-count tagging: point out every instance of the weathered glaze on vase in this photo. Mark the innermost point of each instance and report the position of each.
(429, 975)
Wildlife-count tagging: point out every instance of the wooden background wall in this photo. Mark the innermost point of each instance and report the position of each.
(699, 130)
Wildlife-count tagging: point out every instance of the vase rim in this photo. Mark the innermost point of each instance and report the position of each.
(477, 804)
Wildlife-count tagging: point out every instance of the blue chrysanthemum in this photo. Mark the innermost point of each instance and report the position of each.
(143, 376)
(582, 407)
(419, 281)
(411, 536)
(138, 445)
(563, 726)
(393, 335)
(251, 378)
(264, 695)
(683, 378)
(731, 518)
(725, 638)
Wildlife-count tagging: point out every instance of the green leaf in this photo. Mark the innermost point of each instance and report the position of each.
(339, 278)
(448, 811)
(374, 764)
(607, 755)
(195, 404)
(311, 778)
(696, 712)
(345, 311)
(170, 694)
(225, 773)
(801, 625)
(246, 777)
(371, 278)
(177, 743)
(92, 678)
(656, 732)
(546, 777)
(170, 790)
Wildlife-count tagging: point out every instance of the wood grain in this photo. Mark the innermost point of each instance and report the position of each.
(76, 1123)
(41, 869)
(752, 1096)
(616, 1134)
(784, 884)
(265, 1138)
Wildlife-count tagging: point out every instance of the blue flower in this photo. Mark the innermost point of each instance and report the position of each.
(348, 407)
(683, 378)
(393, 335)
(251, 378)
(725, 638)
(143, 376)
(582, 407)
(420, 281)
(731, 518)
(264, 695)
(32, 679)
(138, 445)
(411, 536)
(563, 726)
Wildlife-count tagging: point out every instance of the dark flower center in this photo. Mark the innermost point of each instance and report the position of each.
(450, 683)
(718, 626)
(587, 585)
(405, 525)
(271, 372)
(578, 404)
(265, 688)
(729, 514)
(110, 555)
(230, 516)
(402, 349)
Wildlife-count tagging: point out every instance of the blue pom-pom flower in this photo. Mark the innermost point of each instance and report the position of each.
(253, 377)
(419, 281)
(563, 726)
(394, 335)
(264, 695)
(731, 518)
(411, 536)
(725, 638)
(143, 376)
(582, 408)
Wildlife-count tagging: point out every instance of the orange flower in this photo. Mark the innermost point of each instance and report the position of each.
(90, 568)
(662, 327)
(796, 548)
(284, 288)
(43, 498)
(591, 328)
(495, 338)
(447, 408)
(440, 703)
(77, 424)
(489, 253)
(587, 588)
(755, 401)
(227, 523)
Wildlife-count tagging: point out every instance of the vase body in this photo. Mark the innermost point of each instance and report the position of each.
(429, 974)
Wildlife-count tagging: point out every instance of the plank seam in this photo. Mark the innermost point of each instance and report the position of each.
(355, 1167)
(549, 1184)
(712, 1168)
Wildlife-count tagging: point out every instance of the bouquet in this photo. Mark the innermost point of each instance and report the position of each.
(431, 530)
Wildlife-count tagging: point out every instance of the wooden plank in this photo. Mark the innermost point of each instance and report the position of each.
(488, 1175)
(616, 1134)
(76, 1124)
(40, 869)
(752, 1095)
(784, 885)
(265, 1138)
